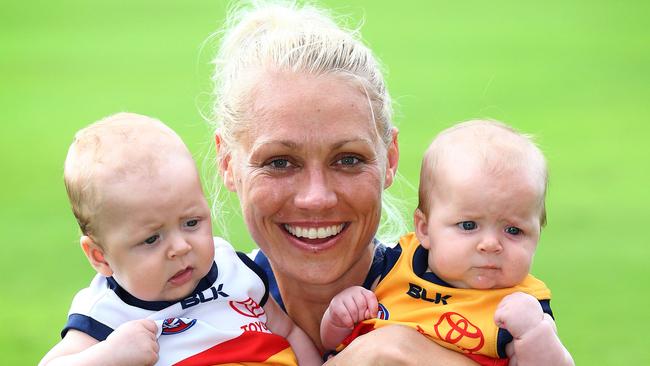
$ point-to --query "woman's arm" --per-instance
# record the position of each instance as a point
(397, 345)
(279, 323)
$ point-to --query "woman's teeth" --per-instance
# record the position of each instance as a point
(313, 232)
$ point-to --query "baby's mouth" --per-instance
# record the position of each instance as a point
(182, 276)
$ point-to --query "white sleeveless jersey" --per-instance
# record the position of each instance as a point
(221, 322)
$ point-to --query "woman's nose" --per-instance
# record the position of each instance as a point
(315, 191)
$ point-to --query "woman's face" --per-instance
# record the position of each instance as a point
(309, 175)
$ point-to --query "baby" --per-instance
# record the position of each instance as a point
(166, 291)
(463, 278)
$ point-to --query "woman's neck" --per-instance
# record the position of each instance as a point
(306, 302)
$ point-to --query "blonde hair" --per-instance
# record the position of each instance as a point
(500, 147)
(118, 145)
(283, 36)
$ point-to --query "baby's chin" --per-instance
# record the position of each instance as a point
(483, 282)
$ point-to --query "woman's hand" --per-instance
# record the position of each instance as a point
(397, 345)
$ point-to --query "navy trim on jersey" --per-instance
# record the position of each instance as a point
(381, 263)
(421, 267)
(260, 273)
(503, 338)
(375, 271)
(205, 283)
(546, 307)
(88, 325)
(263, 263)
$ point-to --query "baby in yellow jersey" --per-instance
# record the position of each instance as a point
(462, 279)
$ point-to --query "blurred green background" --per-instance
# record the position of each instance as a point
(573, 73)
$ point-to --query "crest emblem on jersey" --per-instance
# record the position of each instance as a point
(456, 329)
(383, 313)
(176, 325)
(248, 308)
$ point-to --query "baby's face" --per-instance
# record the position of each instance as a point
(482, 229)
(156, 232)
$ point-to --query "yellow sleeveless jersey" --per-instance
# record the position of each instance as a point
(459, 319)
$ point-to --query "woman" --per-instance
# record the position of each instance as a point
(305, 139)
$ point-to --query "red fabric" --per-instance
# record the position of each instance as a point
(359, 330)
(248, 347)
(487, 361)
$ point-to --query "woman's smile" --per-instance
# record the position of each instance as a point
(311, 175)
(314, 237)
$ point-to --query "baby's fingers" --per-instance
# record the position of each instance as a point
(341, 316)
(373, 304)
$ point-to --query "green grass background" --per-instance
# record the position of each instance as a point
(574, 73)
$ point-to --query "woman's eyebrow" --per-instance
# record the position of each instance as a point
(340, 144)
(284, 143)
(295, 145)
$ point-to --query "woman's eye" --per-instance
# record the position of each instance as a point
(152, 239)
(513, 230)
(348, 161)
(279, 163)
(467, 225)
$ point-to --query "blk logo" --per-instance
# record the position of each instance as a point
(418, 292)
(210, 294)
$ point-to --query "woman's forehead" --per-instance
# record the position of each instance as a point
(304, 108)
(295, 94)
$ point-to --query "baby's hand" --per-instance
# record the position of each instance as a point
(518, 313)
(351, 306)
(134, 343)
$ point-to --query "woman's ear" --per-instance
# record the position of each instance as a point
(421, 228)
(95, 255)
(392, 159)
(224, 159)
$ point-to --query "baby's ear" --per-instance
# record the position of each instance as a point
(95, 255)
(421, 228)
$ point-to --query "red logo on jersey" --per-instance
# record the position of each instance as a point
(247, 308)
(454, 328)
(176, 325)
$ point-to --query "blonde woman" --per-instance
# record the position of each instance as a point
(305, 139)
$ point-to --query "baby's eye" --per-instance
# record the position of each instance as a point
(152, 239)
(192, 223)
(512, 230)
(467, 225)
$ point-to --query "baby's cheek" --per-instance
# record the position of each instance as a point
(441, 264)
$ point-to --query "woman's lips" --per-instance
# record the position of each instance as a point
(182, 277)
(314, 238)
(314, 232)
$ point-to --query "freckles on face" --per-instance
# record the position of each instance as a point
(310, 177)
